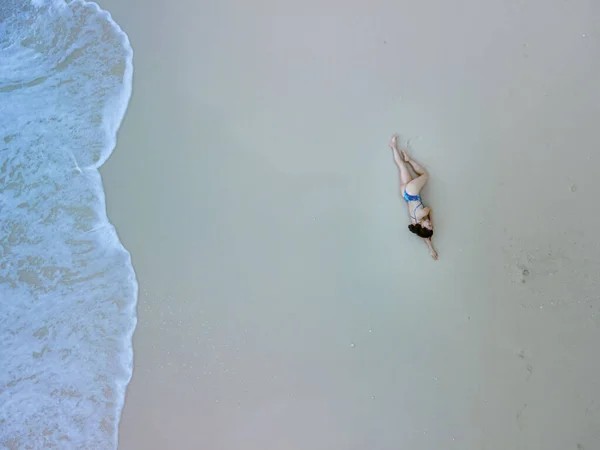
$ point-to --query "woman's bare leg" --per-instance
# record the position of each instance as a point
(418, 168)
(415, 186)
(405, 176)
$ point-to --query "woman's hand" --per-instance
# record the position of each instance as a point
(434, 254)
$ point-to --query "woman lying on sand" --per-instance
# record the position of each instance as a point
(420, 215)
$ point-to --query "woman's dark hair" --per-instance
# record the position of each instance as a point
(420, 231)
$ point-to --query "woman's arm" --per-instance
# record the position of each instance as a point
(434, 254)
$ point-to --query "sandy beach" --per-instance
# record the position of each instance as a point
(283, 303)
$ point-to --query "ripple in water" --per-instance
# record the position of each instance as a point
(67, 286)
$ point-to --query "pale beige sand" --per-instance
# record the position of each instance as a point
(283, 303)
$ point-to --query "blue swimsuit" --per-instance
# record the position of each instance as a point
(414, 198)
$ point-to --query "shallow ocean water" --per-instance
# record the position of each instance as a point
(67, 286)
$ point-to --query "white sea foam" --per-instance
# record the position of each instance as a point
(67, 286)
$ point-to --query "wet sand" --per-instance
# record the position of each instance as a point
(283, 303)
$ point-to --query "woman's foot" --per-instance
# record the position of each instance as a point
(394, 146)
